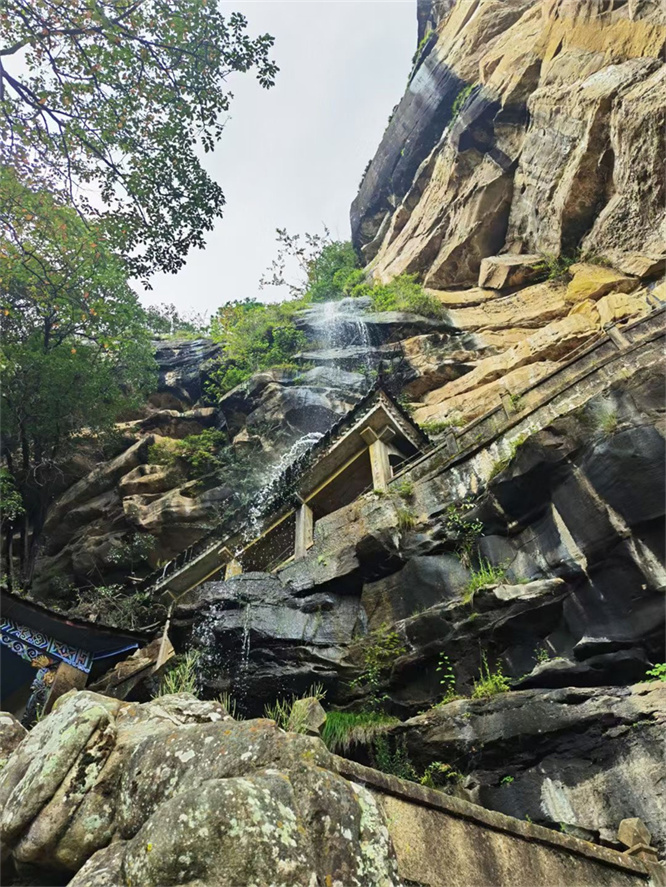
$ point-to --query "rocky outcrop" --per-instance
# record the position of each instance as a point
(579, 760)
(175, 791)
(538, 158)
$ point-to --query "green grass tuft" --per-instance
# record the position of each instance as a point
(344, 729)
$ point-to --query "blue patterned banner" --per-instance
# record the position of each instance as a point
(29, 644)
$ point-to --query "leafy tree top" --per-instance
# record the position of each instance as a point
(108, 101)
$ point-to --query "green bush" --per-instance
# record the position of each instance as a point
(344, 729)
(381, 648)
(403, 293)
(393, 760)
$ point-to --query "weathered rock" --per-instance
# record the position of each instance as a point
(593, 282)
(12, 733)
(559, 144)
(503, 272)
(572, 757)
(183, 367)
(130, 794)
(307, 716)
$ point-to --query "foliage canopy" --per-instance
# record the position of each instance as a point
(110, 99)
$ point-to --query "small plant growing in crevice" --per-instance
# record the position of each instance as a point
(485, 574)
(230, 703)
(506, 780)
(381, 649)
(553, 267)
(281, 710)
(467, 532)
(489, 683)
(657, 672)
(406, 519)
(542, 654)
(447, 679)
(460, 100)
(502, 464)
(392, 758)
(438, 774)
(606, 420)
(182, 677)
(433, 427)
(405, 489)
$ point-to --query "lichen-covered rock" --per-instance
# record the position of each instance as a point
(12, 733)
(176, 792)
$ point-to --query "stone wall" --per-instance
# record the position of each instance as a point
(442, 841)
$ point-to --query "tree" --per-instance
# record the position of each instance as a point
(328, 268)
(108, 101)
(75, 344)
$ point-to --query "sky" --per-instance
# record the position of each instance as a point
(293, 156)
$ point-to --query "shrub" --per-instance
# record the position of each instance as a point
(658, 672)
(405, 489)
(466, 532)
(552, 267)
(114, 605)
(182, 676)
(438, 774)
(381, 649)
(344, 729)
(403, 293)
(489, 683)
(393, 760)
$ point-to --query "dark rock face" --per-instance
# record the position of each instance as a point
(183, 367)
(262, 640)
(576, 759)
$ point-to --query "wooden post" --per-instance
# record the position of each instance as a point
(233, 568)
(379, 456)
(617, 338)
(304, 530)
(380, 464)
(507, 404)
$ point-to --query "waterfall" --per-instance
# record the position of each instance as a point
(343, 327)
(273, 473)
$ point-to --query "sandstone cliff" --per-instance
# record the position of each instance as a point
(521, 179)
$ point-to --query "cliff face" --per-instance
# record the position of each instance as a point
(515, 570)
(535, 126)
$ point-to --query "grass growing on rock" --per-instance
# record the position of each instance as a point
(489, 683)
(281, 710)
(344, 729)
(485, 574)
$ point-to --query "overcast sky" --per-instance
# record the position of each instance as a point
(292, 156)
